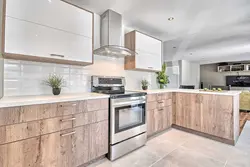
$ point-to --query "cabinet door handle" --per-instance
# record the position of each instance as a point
(67, 134)
(160, 102)
(57, 55)
(160, 109)
(67, 120)
(150, 67)
(74, 104)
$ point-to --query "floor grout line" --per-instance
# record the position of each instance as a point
(162, 157)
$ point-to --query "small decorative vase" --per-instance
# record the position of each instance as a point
(162, 86)
(56, 91)
(144, 87)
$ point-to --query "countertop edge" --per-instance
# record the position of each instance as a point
(201, 92)
(48, 101)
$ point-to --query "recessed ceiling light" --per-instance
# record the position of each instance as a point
(170, 18)
(191, 53)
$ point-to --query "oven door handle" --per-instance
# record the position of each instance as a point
(130, 103)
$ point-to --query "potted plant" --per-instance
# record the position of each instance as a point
(162, 78)
(55, 82)
(144, 84)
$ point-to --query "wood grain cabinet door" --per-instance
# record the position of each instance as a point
(42, 151)
(217, 115)
(188, 111)
(91, 142)
(150, 122)
(167, 117)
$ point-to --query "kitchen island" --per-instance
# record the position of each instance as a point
(210, 114)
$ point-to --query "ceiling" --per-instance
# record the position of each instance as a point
(203, 31)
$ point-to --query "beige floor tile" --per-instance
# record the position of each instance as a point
(239, 159)
(213, 149)
(187, 158)
(175, 136)
(161, 148)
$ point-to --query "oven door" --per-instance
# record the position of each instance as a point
(128, 116)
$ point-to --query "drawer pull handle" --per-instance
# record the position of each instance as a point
(160, 102)
(66, 120)
(160, 109)
(150, 67)
(73, 104)
(57, 55)
(67, 134)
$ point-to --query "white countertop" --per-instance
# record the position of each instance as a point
(229, 93)
(43, 99)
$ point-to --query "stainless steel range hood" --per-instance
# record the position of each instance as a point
(111, 36)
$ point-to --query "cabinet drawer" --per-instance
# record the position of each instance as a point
(52, 14)
(67, 108)
(12, 133)
(97, 104)
(15, 115)
(90, 117)
(16, 132)
(151, 97)
(31, 39)
(164, 103)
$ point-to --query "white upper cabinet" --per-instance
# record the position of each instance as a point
(52, 13)
(148, 49)
(49, 29)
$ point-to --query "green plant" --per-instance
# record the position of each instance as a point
(162, 78)
(144, 83)
(54, 81)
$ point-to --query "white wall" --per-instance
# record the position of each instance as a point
(210, 76)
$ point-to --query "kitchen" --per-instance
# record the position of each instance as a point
(78, 127)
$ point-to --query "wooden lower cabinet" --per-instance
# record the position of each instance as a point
(217, 116)
(159, 112)
(69, 148)
(206, 113)
(188, 111)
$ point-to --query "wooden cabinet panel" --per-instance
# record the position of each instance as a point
(167, 117)
(207, 113)
(14, 115)
(217, 115)
(10, 115)
(98, 104)
(159, 112)
(188, 110)
(151, 97)
(67, 108)
(98, 145)
(42, 151)
(150, 122)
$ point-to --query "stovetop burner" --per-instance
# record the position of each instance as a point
(114, 86)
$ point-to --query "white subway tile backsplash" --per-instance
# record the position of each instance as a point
(26, 78)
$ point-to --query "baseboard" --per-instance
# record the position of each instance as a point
(219, 139)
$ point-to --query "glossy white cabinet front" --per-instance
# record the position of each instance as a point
(48, 28)
(52, 13)
(26, 38)
(149, 52)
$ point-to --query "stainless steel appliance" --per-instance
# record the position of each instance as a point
(111, 36)
(127, 115)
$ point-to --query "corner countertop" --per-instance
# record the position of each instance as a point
(228, 93)
(45, 99)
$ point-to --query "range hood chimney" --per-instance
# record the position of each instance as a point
(111, 36)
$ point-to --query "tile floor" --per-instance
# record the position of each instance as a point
(175, 148)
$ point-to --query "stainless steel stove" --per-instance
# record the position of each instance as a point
(127, 115)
